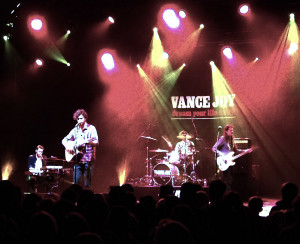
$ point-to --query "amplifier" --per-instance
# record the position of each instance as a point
(243, 143)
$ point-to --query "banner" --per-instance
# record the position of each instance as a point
(203, 107)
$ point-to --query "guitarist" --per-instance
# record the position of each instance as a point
(224, 146)
(81, 142)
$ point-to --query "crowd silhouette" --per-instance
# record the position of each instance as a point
(80, 216)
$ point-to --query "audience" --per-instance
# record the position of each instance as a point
(82, 216)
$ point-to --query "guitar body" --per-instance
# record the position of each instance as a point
(225, 161)
(70, 154)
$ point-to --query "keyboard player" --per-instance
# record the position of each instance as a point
(36, 163)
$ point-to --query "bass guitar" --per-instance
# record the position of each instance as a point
(224, 161)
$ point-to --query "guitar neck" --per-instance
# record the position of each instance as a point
(241, 154)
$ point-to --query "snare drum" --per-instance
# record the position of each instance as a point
(163, 173)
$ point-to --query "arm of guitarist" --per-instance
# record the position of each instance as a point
(218, 146)
(69, 146)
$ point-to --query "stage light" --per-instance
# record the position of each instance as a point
(256, 59)
(293, 48)
(184, 65)
(202, 26)
(171, 18)
(156, 36)
(138, 66)
(165, 55)
(5, 38)
(36, 24)
(227, 52)
(7, 170)
(212, 63)
(182, 14)
(39, 62)
(111, 19)
(108, 61)
(244, 9)
(68, 32)
(292, 17)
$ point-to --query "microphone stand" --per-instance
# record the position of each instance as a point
(218, 134)
(76, 158)
(193, 173)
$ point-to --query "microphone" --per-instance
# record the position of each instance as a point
(220, 127)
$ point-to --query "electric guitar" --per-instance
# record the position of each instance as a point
(224, 161)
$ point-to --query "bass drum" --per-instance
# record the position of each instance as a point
(163, 173)
(174, 157)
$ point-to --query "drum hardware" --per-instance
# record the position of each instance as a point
(158, 150)
(148, 177)
(148, 138)
(185, 137)
(164, 173)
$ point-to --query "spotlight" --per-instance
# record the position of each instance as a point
(138, 66)
(182, 14)
(39, 62)
(5, 38)
(201, 26)
(111, 19)
(165, 55)
(212, 63)
(293, 48)
(68, 32)
(171, 19)
(292, 17)
(227, 52)
(244, 9)
(36, 24)
(108, 61)
(68, 64)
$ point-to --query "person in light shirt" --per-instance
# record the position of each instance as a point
(35, 164)
(81, 144)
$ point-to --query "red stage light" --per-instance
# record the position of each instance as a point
(37, 26)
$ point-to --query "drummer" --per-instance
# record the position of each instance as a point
(185, 147)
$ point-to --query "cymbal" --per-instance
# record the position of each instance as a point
(185, 137)
(158, 150)
(149, 138)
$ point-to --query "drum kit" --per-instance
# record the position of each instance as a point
(172, 167)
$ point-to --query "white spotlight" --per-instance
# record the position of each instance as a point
(227, 52)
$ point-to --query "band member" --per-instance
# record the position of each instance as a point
(185, 147)
(225, 146)
(80, 145)
(35, 164)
